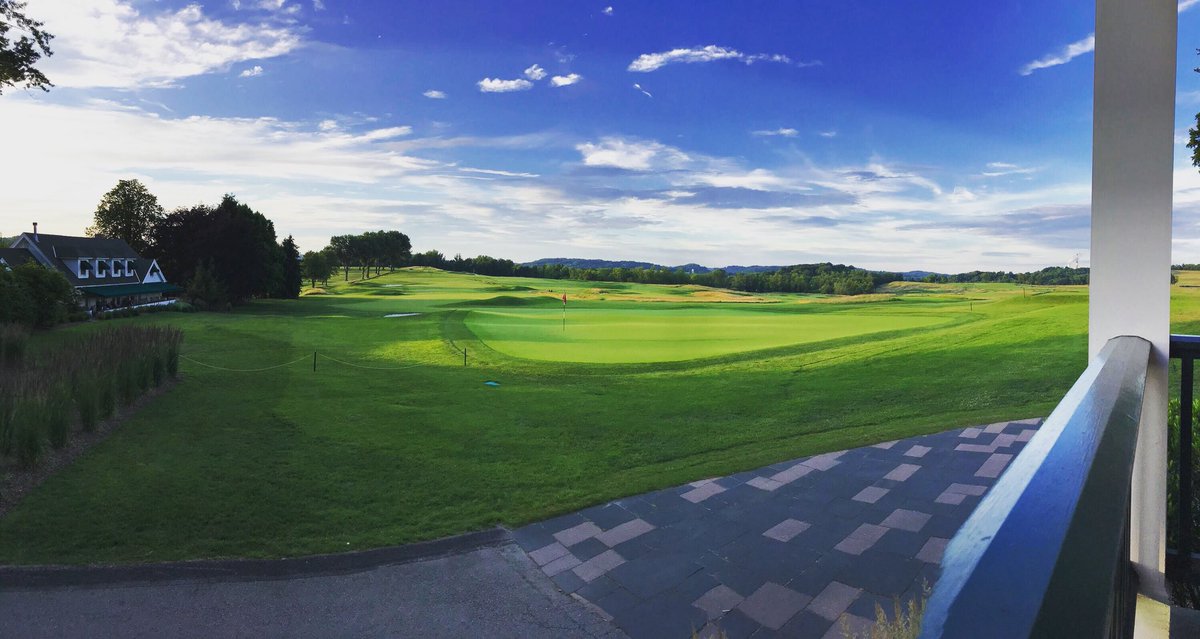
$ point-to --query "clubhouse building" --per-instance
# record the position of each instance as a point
(107, 273)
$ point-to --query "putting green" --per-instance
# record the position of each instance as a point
(634, 335)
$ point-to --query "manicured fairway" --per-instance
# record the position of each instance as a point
(638, 334)
(393, 440)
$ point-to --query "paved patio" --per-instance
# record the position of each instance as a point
(792, 550)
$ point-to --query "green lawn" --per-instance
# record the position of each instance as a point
(649, 386)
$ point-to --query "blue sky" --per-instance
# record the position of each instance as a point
(899, 135)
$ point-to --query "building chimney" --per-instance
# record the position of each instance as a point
(35, 235)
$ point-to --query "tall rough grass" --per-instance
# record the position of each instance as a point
(43, 395)
(14, 339)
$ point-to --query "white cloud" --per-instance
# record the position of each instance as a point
(565, 80)
(318, 5)
(1062, 56)
(434, 94)
(109, 43)
(1184, 5)
(828, 134)
(653, 61)
(1000, 169)
(498, 172)
(328, 125)
(251, 72)
(496, 85)
(631, 154)
(387, 133)
(781, 132)
(644, 92)
(608, 11)
(535, 72)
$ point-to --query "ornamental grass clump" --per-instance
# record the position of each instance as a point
(14, 339)
(80, 382)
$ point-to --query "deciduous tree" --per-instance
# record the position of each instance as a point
(22, 43)
(128, 212)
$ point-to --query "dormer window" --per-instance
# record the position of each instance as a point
(128, 268)
(84, 269)
(101, 268)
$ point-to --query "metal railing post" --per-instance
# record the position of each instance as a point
(1187, 366)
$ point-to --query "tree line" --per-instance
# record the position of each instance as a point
(226, 254)
(1049, 276)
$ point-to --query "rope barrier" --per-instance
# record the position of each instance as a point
(372, 368)
(243, 370)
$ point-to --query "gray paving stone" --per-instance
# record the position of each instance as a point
(994, 465)
(902, 472)
(870, 494)
(703, 482)
(1026, 435)
(917, 451)
(700, 493)
(787, 529)
(559, 565)
(625, 532)
(823, 462)
(970, 433)
(1031, 421)
(547, 554)
(576, 534)
(950, 498)
(1003, 441)
(833, 600)
(861, 539)
(998, 427)
(773, 605)
(718, 601)
(764, 483)
(931, 552)
(598, 565)
(974, 448)
(792, 474)
(884, 445)
(903, 519)
(967, 489)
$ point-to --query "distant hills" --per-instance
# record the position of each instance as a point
(575, 262)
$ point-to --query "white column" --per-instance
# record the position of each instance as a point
(1132, 138)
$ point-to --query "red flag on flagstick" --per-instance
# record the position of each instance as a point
(564, 299)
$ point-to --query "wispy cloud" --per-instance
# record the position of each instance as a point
(608, 11)
(251, 72)
(434, 94)
(653, 61)
(318, 5)
(110, 43)
(496, 85)
(1000, 169)
(1062, 56)
(781, 132)
(828, 134)
(535, 73)
(644, 92)
(565, 80)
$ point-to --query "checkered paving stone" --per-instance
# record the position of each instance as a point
(788, 550)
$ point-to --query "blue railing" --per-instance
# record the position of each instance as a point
(1046, 553)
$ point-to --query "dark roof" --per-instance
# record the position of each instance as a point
(15, 257)
(123, 290)
(69, 247)
(60, 248)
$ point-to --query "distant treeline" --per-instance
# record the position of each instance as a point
(1051, 275)
(1186, 267)
(834, 279)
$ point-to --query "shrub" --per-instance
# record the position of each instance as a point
(14, 339)
(904, 624)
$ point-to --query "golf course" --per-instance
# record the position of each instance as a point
(423, 403)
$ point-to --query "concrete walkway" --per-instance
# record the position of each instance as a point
(795, 549)
(485, 592)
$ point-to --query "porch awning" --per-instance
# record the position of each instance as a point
(129, 290)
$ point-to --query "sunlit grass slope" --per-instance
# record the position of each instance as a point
(392, 440)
